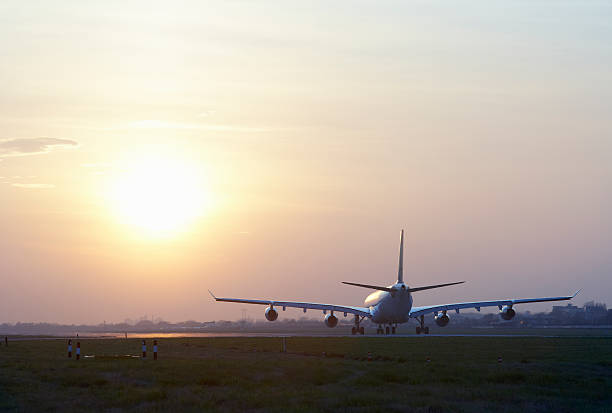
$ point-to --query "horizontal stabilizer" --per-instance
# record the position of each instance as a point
(390, 289)
(429, 287)
(374, 287)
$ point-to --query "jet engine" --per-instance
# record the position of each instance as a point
(507, 313)
(271, 314)
(442, 320)
(331, 320)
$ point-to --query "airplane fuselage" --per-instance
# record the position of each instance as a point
(390, 307)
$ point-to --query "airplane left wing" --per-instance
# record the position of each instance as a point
(361, 311)
(417, 311)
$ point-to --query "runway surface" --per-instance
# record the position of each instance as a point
(287, 334)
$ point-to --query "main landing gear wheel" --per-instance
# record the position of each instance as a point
(387, 330)
(356, 328)
(422, 329)
(392, 330)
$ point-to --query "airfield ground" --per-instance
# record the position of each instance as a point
(564, 374)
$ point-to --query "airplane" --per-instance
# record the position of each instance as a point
(392, 305)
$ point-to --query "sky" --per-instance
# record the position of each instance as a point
(150, 151)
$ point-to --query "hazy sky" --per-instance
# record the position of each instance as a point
(150, 151)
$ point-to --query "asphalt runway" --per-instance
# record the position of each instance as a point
(101, 336)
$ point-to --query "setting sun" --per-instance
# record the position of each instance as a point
(160, 197)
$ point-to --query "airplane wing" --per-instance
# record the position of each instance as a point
(361, 311)
(417, 311)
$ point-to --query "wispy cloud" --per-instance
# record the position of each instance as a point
(206, 113)
(98, 168)
(231, 128)
(33, 146)
(96, 165)
(33, 186)
(159, 124)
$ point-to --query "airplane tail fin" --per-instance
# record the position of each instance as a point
(400, 269)
(400, 276)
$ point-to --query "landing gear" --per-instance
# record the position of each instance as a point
(388, 329)
(422, 329)
(357, 329)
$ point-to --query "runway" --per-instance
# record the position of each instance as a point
(160, 335)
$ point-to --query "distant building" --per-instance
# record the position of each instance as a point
(595, 311)
(596, 308)
(590, 313)
(565, 310)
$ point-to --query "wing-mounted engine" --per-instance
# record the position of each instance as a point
(442, 319)
(507, 313)
(331, 320)
(271, 314)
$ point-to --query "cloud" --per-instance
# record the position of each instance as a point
(33, 186)
(98, 168)
(231, 128)
(97, 165)
(206, 113)
(159, 124)
(33, 146)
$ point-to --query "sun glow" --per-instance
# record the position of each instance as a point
(160, 197)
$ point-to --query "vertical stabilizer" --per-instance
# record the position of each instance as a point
(400, 269)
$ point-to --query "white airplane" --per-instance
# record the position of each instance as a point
(392, 305)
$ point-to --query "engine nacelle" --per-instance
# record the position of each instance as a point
(442, 320)
(507, 313)
(271, 314)
(331, 320)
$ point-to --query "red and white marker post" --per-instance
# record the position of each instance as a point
(69, 348)
(154, 349)
(78, 350)
(144, 349)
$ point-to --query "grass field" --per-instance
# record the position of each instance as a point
(251, 374)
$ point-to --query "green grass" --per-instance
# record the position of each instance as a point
(250, 374)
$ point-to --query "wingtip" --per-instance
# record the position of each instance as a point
(576, 293)
(212, 295)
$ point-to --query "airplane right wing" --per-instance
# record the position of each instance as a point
(417, 311)
(360, 311)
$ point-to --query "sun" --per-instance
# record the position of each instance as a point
(160, 197)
